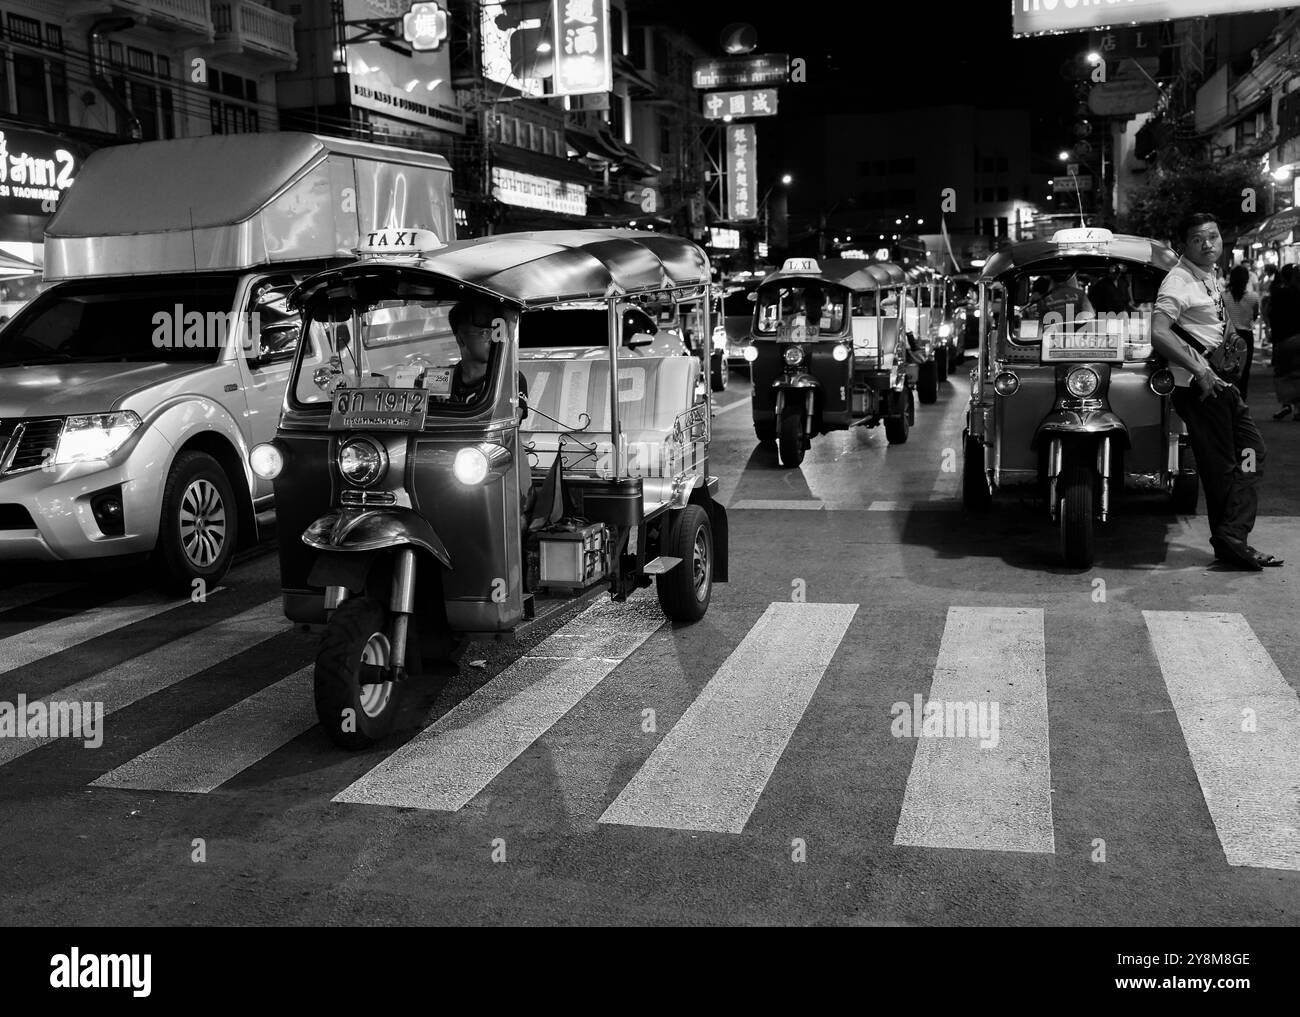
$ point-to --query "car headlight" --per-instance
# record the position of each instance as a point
(751, 353)
(1082, 382)
(360, 461)
(470, 466)
(94, 436)
(1006, 383)
(794, 355)
(840, 352)
(266, 460)
(945, 330)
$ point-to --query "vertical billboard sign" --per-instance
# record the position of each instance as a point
(742, 171)
(582, 47)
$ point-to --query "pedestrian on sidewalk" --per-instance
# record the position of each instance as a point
(1242, 305)
(1205, 354)
(1284, 312)
(1265, 289)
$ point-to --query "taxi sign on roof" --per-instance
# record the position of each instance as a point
(399, 242)
(802, 265)
(1086, 235)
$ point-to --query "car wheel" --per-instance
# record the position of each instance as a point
(684, 592)
(353, 713)
(199, 526)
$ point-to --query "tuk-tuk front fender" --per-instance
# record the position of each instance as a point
(375, 530)
(803, 380)
(1066, 422)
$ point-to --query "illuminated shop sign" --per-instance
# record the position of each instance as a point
(763, 69)
(724, 239)
(527, 41)
(761, 102)
(35, 171)
(582, 49)
(528, 191)
(742, 172)
(1037, 17)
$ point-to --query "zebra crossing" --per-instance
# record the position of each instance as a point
(987, 789)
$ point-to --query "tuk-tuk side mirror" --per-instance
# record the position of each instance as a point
(638, 328)
(752, 296)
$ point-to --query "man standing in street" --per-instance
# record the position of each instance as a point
(1205, 355)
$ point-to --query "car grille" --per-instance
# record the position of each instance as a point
(26, 441)
(16, 517)
(353, 497)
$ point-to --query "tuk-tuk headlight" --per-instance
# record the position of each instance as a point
(1082, 382)
(1162, 382)
(1006, 383)
(794, 355)
(470, 466)
(751, 353)
(266, 460)
(840, 352)
(361, 461)
(945, 330)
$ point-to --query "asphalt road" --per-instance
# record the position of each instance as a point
(1134, 759)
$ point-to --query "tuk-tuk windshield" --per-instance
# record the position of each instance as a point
(799, 309)
(450, 348)
(1113, 297)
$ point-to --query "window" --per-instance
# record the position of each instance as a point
(1004, 194)
(660, 54)
(1002, 226)
(24, 30)
(230, 107)
(29, 87)
(139, 60)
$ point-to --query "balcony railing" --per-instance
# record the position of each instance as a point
(190, 16)
(247, 26)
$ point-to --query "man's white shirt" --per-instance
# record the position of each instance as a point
(1193, 298)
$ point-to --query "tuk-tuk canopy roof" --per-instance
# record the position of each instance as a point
(553, 266)
(1121, 247)
(853, 273)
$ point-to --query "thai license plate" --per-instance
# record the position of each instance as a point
(1091, 344)
(379, 409)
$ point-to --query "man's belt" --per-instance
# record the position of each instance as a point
(1226, 359)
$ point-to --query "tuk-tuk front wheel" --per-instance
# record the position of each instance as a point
(975, 493)
(685, 590)
(1075, 510)
(899, 426)
(927, 382)
(720, 372)
(355, 715)
(790, 437)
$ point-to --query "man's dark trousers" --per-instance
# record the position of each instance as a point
(1221, 430)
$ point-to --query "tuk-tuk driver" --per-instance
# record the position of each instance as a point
(477, 322)
(1068, 299)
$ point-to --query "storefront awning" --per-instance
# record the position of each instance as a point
(1279, 226)
(604, 146)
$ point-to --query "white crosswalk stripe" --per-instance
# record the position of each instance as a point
(1241, 722)
(462, 752)
(134, 679)
(990, 793)
(210, 753)
(711, 768)
(54, 637)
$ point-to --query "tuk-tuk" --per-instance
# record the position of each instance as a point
(435, 486)
(921, 322)
(829, 352)
(1069, 394)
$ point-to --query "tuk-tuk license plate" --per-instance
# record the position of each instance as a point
(379, 409)
(1070, 347)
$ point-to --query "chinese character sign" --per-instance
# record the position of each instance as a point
(756, 103)
(582, 47)
(742, 171)
(424, 26)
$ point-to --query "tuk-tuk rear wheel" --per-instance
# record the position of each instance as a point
(975, 493)
(355, 715)
(684, 591)
(927, 382)
(1075, 509)
(790, 439)
(897, 427)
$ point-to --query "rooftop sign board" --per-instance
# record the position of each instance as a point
(745, 71)
(1041, 17)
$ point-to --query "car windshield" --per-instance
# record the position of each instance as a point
(184, 318)
(800, 309)
(376, 332)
